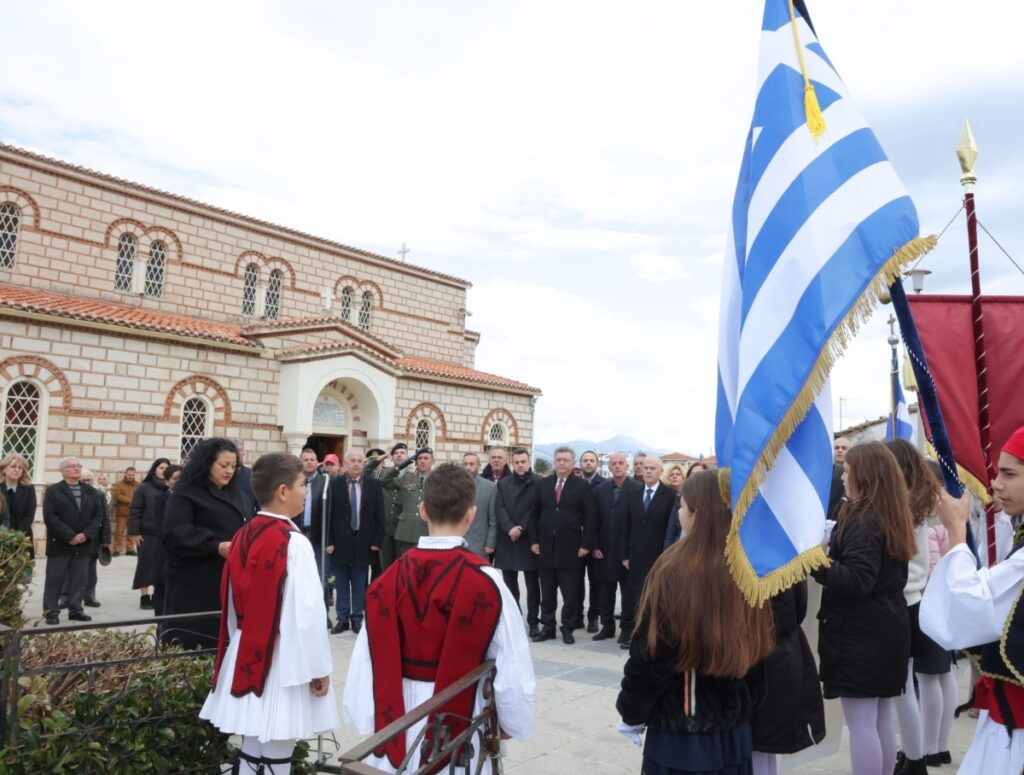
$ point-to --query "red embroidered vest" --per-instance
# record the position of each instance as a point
(430, 617)
(254, 574)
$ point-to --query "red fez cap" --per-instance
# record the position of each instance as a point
(1015, 444)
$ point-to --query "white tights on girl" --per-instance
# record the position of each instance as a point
(872, 736)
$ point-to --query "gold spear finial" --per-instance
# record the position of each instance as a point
(967, 153)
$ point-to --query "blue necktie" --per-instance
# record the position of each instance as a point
(647, 498)
(353, 506)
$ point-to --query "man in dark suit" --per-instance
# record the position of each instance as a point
(650, 508)
(73, 517)
(562, 532)
(613, 499)
(355, 530)
(514, 507)
(589, 474)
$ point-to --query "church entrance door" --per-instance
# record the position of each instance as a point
(326, 445)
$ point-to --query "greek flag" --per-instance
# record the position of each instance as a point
(900, 425)
(821, 224)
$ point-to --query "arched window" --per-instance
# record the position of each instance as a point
(273, 304)
(252, 276)
(10, 220)
(498, 435)
(21, 422)
(424, 434)
(155, 270)
(195, 426)
(125, 263)
(365, 309)
(346, 303)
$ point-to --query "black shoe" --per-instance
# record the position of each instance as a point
(624, 638)
(93, 602)
(567, 638)
(605, 634)
(534, 630)
(914, 767)
(79, 617)
(131, 554)
(592, 625)
(62, 603)
(624, 645)
(146, 601)
(52, 618)
(937, 760)
(116, 554)
(339, 628)
(330, 624)
(356, 627)
(542, 636)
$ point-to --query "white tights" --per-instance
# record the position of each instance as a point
(765, 763)
(938, 701)
(271, 758)
(872, 736)
(909, 714)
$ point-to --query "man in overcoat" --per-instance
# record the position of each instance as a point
(514, 507)
(612, 498)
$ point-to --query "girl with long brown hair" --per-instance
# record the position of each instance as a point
(691, 678)
(864, 631)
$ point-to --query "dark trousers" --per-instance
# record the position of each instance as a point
(350, 589)
(630, 597)
(401, 547)
(592, 601)
(606, 601)
(75, 569)
(158, 599)
(387, 552)
(553, 581)
(90, 585)
(532, 593)
(375, 569)
(317, 554)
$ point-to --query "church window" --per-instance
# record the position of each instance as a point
(10, 219)
(424, 434)
(155, 270)
(273, 305)
(365, 310)
(21, 422)
(252, 276)
(195, 426)
(346, 303)
(498, 435)
(125, 263)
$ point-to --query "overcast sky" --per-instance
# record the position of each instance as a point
(574, 160)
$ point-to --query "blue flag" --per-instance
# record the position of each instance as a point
(900, 425)
(821, 224)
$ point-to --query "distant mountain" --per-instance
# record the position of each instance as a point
(620, 443)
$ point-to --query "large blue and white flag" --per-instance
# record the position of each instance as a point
(900, 425)
(821, 224)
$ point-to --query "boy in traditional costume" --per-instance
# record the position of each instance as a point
(438, 612)
(964, 606)
(272, 682)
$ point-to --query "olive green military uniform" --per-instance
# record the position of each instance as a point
(408, 487)
(393, 506)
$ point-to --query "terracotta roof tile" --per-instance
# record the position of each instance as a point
(393, 262)
(99, 311)
(462, 373)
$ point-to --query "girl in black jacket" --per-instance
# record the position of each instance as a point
(864, 631)
(144, 529)
(691, 679)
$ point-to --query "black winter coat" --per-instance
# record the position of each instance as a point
(487, 474)
(142, 514)
(513, 506)
(563, 528)
(645, 531)
(612, 518)
(792, 716)
(351, 548)
(64, 519)
(196, 519)
(864, 631)
(654, 694)
(22, 507)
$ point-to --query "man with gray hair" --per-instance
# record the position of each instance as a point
(482, 536)
(73, 517)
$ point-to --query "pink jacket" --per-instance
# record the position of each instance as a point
(938, 545)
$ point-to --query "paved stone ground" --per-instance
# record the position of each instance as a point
(575, 704)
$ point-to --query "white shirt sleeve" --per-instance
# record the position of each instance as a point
(514, 681)
(966, 606)
(303, 647)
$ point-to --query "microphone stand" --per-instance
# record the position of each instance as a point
(323, 539)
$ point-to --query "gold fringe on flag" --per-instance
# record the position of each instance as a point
(812, 110)
(757, 590)
(970, 481)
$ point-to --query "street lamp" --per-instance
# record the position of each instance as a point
(917, 278)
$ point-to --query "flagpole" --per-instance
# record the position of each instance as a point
(967, 153)
(893, 371)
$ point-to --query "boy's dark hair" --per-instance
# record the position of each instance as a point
(271, 471)
(448, 494)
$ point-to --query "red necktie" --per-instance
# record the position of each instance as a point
(558, 491)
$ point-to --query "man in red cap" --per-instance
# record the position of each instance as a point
(965, 606)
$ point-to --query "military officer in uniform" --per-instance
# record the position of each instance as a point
(408, 484)
(392, 499)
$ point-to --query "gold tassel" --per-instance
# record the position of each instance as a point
(812, 110)
(969, 480)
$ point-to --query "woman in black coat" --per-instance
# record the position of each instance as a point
(792, 716)
(864, 631)
(145, 530)
(202, 515)
(19, 494)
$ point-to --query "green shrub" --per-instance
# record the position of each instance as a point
(15, 576)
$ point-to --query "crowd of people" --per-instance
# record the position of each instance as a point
(392, 540)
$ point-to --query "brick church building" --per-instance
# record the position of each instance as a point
(134, 323)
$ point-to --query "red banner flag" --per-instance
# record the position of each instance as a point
(944, 324)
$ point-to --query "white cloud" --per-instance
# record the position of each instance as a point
(655, 268)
